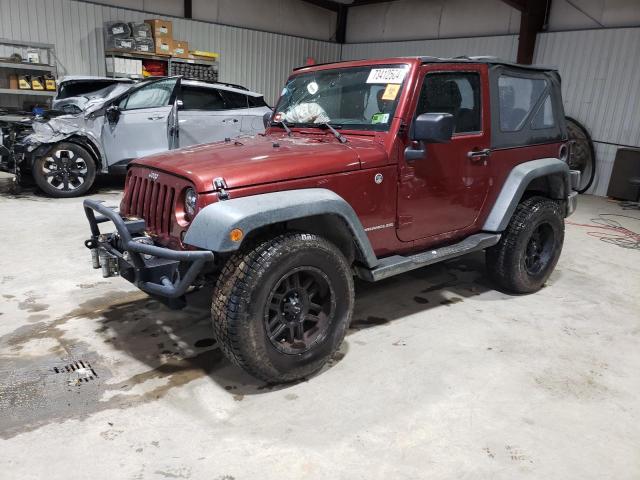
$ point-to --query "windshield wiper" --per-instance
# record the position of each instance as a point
(284, 125)
(341, 138)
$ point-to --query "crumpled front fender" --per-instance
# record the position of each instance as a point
(62, 129)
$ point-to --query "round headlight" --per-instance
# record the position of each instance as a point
(190, 200)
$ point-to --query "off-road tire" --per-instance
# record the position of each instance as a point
(244, 292)
(583, 154)
(41, 168)
(510, 263)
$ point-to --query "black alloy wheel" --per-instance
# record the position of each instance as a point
(539, 249)
(300, 309)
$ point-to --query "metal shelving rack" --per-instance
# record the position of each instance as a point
(144, 56)
(7, 68)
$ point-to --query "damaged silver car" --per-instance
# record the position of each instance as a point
(66, 152)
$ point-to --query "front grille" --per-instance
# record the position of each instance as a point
(151, 200)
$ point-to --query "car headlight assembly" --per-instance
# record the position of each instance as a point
(190, 201)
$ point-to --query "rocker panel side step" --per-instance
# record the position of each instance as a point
(397, 264)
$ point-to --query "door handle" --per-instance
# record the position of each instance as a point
(479, 154)
(155, 118)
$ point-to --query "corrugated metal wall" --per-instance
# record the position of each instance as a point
(600, 86)
(261, 61)
(503, 46)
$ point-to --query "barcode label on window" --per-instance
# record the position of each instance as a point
(386, 75)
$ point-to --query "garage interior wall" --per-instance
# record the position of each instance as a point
(289, 17)
(261, 61)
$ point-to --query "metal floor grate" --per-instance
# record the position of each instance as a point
(82, 369)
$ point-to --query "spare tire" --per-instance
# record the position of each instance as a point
(583, 155)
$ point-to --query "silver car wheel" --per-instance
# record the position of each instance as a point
(64, 170)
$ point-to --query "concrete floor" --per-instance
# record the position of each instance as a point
(440, 376)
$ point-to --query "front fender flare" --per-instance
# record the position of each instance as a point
(211, 227)
(516, 184)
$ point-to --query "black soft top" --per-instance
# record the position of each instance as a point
(489, 60)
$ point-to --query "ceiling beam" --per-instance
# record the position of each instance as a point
(326, 4)
(341, 24)
(533, 19)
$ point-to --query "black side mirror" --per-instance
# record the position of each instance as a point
(113, 114)
(266, 119)
(433, 128)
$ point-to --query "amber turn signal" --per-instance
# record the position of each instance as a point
(236, 235)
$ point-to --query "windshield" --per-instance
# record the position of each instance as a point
(361, 98)
(110, 91)
(75, 88)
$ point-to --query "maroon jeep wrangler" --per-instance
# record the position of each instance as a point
(367, 168)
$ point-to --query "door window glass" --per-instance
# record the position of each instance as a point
(544, 117)
(200, 98)
(454, 93)
(256, 101)
(518, 97)
(234, 99)
(156, 94)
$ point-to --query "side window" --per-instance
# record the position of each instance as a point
(454, 93)
(156, 94)
(234, 100)
(199, 98)
(256, 101)
(544, 117)
(518, 96)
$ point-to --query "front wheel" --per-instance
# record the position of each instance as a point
(66, 170)
(530, 246)
(280, 310)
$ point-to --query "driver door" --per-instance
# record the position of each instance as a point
(444, 190)
(145, 124)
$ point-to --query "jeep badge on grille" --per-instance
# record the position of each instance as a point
(153, 176)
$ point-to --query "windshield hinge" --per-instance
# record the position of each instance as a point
(220, 186)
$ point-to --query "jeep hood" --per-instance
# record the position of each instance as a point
(264, 159)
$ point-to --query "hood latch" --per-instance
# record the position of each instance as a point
(220, 186)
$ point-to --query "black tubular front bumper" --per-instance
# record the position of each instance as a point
(156, 270)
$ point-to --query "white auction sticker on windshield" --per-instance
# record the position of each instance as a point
(386, 75)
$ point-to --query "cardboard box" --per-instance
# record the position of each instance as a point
(163, 46)
(180, 49)
(161, 29)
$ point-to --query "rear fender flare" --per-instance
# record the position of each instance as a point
(516, 184)
(212, 225)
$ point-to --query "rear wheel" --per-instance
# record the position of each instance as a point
(66, 170)
(530, 246)
(281, 309)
